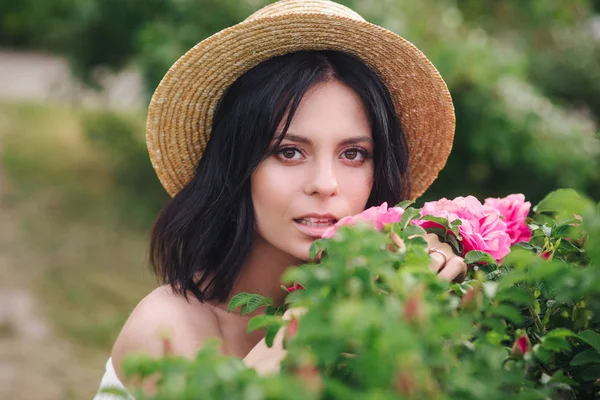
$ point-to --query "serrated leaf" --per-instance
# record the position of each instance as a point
(525, 245)
(547, 230)
(592, 338)
(262, 321)
(586, 357)
(562, 231)
(476, 256)
(411, 230)
(255, 301)
(439, 220)
(409, 214)
(238, 300)
(275, 310)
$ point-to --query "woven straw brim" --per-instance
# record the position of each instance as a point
(181, 111)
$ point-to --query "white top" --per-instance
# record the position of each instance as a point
(111, 380)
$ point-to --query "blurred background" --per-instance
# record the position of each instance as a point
(78, 194)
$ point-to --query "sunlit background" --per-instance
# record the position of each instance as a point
(78, 194)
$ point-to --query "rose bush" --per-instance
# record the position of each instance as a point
(380, 325)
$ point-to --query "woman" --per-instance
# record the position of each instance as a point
(313, 114)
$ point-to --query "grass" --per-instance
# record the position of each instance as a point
(84, 237)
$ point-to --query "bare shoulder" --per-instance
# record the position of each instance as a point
(161, 312)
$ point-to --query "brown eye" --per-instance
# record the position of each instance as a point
(288, 153)
(351, 154)
(355, 155)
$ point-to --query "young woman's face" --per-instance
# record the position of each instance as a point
(321, 172)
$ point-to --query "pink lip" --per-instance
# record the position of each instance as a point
(321, 216)
(314, 231)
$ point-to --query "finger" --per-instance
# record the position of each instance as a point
(433, 241)
(437, 262)
(295, 312)
(454, 270)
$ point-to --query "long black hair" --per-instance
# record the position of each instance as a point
(208, 226)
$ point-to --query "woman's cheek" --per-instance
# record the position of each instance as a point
(356, 186)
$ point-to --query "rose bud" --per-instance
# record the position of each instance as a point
(521, 346)
(296, 286)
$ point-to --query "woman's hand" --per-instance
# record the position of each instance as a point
(444, 262)
(266, 360)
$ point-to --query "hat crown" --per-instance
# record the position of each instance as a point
(286, 7)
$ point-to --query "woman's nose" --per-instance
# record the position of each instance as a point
(322, 181)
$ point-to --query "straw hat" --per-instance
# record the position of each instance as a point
(181, 111)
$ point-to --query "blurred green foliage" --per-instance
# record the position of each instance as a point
(524, 76)
(380, 325)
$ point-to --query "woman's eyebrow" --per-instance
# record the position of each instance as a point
(357, 139)
(304, 140)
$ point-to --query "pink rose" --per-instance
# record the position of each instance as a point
(377, 217)
(514, 209)
(482, 226)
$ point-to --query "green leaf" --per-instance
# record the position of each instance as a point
(271, 333)
(547, 230)
(589, 356)
(255, 301)
(560, 333)
(455, 244)
(409, 214)
(508, 312)
(238, 300)
(562, 231)
(439, 231)
(439, 220)
(592, 338)
(555, 343)
(525, 245)
(559, 377)
(262, 321)
(591, 373)
(566, 200)
(405, 204)
(411, 230)
(516, 294)
(275, 310)
(476, 256)
(316, 247)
